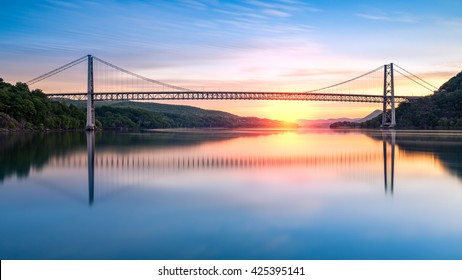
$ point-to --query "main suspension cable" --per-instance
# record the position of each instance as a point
(365, 74)
(142, 77)
(414, 76)
(56, 71)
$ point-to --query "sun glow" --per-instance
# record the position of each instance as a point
(292, 111)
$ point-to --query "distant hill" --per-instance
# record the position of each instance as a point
(150, 106)
(372, 115)
(325, 123)
(321, 123)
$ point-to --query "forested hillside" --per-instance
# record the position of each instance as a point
(21, 108)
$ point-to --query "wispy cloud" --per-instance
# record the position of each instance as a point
(449, 21)
(394, 17)
(250, 14)
(195, 4)
(373, 17)
(271, 5)
(63, 4)
(286, 5)
(442, 75)
(306, 72)
(276, 13)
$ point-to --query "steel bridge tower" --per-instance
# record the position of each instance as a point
(388, 113)
(90, 96)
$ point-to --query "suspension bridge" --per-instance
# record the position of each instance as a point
(106, 82)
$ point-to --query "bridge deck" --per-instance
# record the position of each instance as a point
(230, 95)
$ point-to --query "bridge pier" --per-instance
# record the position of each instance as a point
(90, 96)
(388, 113)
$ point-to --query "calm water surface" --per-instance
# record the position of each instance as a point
(228, 194)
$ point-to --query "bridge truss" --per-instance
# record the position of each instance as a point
(232, 95)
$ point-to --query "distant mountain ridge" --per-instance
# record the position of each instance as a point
(325, 123)
(372, 115)
(156, 107)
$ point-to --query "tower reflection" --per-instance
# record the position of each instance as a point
(389, 138)
(91, 165)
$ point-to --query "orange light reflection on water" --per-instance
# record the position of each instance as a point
(281, 160)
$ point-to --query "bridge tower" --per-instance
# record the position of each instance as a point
(90, 96)
(388, 113)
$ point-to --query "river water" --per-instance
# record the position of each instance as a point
(231, 194)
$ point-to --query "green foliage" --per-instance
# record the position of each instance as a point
(169, 109)
(32, 110)
(111, 117)
(454, 84)
(344, 124)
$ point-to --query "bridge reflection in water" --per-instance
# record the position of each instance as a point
(91, 166)
(162, 163)
(389, 139)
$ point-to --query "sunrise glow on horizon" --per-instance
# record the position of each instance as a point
(280, 45)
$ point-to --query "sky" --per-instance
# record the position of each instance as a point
(279, 45)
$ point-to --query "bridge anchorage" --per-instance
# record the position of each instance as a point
(110, 85)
